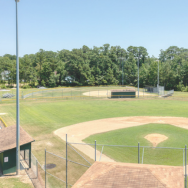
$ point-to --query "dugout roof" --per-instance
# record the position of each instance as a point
(8, 138)
(121, 175)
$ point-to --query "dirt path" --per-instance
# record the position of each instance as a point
(80, 131)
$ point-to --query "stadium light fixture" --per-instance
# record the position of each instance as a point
(17, 98)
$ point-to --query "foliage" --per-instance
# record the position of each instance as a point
(25, 86)
(3, 87)
(105, 65)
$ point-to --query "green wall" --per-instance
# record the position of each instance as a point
(123, 94)
(10, 166)
(1, 161)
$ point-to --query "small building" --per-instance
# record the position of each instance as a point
(122, 175)
(8, 148)
(5, 75)
(123, 93)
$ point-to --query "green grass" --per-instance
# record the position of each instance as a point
(41, 117)
(13, 183)
(177, 137)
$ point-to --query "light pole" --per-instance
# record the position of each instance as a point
(17, 98)
(158, 78)
(138, 70)
(122, 58)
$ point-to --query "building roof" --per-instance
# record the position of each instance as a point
(123, 90)
(121, 175)
(8, 138)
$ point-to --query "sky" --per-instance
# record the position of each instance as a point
(68, 24)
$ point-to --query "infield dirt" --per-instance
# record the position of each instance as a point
(78, 132)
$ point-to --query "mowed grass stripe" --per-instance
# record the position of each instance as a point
(46, 116)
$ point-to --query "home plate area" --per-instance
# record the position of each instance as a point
(121, 175)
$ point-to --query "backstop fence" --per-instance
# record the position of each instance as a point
(65, 171)
(160, 90)
(102, 92)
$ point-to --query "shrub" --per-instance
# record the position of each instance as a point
(32, 84)
(3, 87)
(43, 83)
(26, 87)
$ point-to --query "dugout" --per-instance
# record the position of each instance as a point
(123, 93)
(8, 148)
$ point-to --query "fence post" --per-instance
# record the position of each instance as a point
(183, 158)
(37, 168)
(95, 150)
(66, 164)
(185, 166)
(138, 152)
(143, 156)
(45, 168)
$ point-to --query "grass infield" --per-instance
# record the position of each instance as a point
(177, 138)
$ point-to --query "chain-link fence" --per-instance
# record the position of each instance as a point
(70, 93)
(77, 93)
(137, 154)
(33, 168)
(160, 90)
(64, 171)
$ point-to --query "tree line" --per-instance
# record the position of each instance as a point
(105, 65)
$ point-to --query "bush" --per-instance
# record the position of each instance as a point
(185, 89)
(43, 83)
(32, 84)
(10, 86)
(26, 87)
(3, 87)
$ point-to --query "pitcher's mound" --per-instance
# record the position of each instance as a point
(155, 139)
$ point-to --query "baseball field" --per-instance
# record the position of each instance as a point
(44, 120)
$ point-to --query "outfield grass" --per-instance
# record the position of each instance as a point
(177, 138)
(41, 118)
